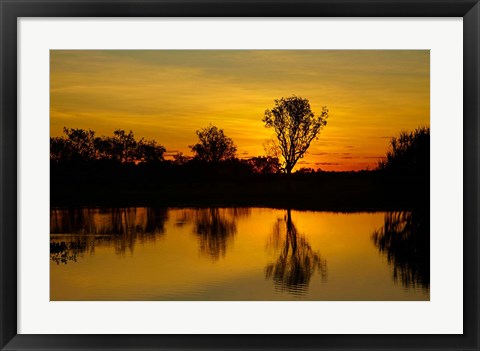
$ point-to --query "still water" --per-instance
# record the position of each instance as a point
(237, 254)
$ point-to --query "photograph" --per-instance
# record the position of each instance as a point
(239, 175)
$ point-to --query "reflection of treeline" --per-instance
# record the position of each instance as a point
(215, 228)
(76, 231)
(108, 220)
(405, 240)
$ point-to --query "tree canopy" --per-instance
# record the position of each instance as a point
(409, 152)
(213, 145)
(295, 126)
(83, 145)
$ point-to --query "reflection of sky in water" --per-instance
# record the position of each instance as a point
(233, 254)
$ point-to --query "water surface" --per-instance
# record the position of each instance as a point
(237, 254)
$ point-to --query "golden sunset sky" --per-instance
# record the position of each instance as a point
(167, 95)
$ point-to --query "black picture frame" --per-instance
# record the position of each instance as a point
(11, 10)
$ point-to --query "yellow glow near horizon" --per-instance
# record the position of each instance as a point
(167, 95)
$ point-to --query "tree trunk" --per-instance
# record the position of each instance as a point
(289, 182)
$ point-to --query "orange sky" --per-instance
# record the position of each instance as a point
(167, 95)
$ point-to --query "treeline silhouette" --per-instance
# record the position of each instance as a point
(79, 145)
(406, 167)
(83, 147)
(120, 170)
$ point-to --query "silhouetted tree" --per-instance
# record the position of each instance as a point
(83, 145)
(295, 126)
(408, 152)
(264, 165)
(79, 144)
(124, 146)
(271, 148)
(405, 171)
(59, 150)
(213, 145)
(149, 151)
(104, 147)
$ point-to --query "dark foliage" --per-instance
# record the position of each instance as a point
(264, 165)
(406, 168)
(123, 171)
(82, 145)
(409, 153)
(213, 145)
(295, 126)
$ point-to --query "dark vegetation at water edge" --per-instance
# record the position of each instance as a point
(400, 182)
(120, 170)
(231, 185)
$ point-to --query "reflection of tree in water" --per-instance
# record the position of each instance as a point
(215, 228)
(297, 261)
(405, 239)
(82, 229)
